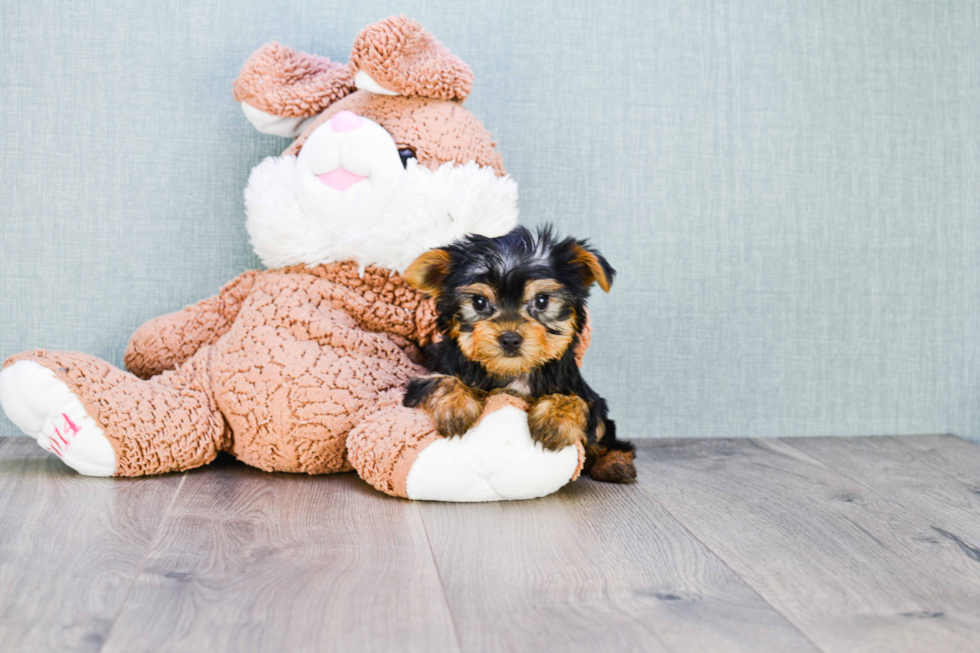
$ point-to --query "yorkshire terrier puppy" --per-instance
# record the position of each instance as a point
(511, 310)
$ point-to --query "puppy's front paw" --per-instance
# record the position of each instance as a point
(453, 406)
(558, 421)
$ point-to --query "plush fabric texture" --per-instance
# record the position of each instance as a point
(165, 342)
(309, 354)
(383, 447)
(386, 445)
(45, 408)
(307, 376)
(438, 131)
(496, 460)
(790, 190)
(279, 80)
(167, 424)
(401, 56)
(302, 368)
(389, 225)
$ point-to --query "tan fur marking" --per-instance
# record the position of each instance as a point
(539, 346)
(454, 406)
(548, 346)
(427, 272)
(558, 421)
(479, 289)
(537, 286)
(590, 261)
(454, 331)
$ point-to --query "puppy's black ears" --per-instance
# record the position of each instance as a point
(429, 271)
(594, 266)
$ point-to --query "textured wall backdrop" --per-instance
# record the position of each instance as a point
(789, 190)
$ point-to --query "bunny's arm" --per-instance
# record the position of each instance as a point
(165, 342)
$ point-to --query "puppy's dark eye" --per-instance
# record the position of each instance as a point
(480, 303)
(541, 302)
(406, 153)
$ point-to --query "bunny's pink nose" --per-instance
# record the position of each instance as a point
(345, 121)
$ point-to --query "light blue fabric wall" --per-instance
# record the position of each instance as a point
(789, 190)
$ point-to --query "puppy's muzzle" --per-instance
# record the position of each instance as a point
(510, 342)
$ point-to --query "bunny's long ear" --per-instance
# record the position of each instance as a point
(397, 56)
(280, 88)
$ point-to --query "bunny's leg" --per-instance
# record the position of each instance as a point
(102, 421)
(398, 452)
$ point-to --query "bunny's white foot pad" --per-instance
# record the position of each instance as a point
(43, 407)
(496, 460)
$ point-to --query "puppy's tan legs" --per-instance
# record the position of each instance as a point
(453, 406)
(558, 421)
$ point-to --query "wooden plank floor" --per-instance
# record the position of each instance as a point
(811, 544)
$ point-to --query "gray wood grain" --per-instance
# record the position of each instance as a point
(595, 567)
(847, 566)
(853, 544)
(951, 455)
(70, 547)
(933, 497)
(250, 561)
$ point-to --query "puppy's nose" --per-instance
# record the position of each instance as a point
(510, 340)
(345, 121)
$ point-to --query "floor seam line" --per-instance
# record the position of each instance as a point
(139, 570)
(442, 585)
(789, 621)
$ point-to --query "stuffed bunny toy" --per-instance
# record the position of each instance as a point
(302, 367)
